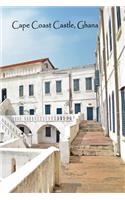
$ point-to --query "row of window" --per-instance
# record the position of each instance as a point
(109, 34)
(76, 87)
(77, 107)
(112, 111)
(21, 90)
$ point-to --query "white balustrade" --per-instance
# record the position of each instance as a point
(42, 118)
(10, 129)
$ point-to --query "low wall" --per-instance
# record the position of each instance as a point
(73, 132)
(14, 143)
(41, 174)
(74, 129)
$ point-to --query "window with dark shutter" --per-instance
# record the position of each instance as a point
(47, 87)
(47, 110)
(76, 84)
(21, 110)
(118, 17)
(77, 108)
(113, 112)
(123, 110)
(31, 90)
(58, 87)
(21, 91)
(89, 83)
(110, 35)
(110, 112)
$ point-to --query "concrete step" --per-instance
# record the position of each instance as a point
(91, 141)
(92, 150)
(89, 129)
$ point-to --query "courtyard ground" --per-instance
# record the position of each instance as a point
(93, 174)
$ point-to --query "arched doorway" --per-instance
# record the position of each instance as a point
(48, 134)
(24, 129)
(13, 165)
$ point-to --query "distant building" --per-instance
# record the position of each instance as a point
(38, 88)
(110, 75)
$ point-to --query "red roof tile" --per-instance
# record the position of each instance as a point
(26, 63)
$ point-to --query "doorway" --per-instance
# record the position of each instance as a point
(89, 113)
(57, 136)
(4, 94)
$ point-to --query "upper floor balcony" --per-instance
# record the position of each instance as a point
(43, 118)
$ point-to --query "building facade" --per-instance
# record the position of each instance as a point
(110, 73)
(38, 88)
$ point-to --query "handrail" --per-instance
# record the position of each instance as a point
(11, 127)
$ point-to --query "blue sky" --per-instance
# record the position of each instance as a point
(64, 47)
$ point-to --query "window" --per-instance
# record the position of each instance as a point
(58, 87)
(31, 90)
(77, 108)
(89, 83)
(47, 110)
(113, 111)
(76, 84)
(21, 91)
(48, 131)
(107, 48)
(110, 35)
(123, 110)
(47, 87)
(59, 111)
(21, 110)
(31, 111)
(118, 12)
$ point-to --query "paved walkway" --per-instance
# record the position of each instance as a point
(93, 174)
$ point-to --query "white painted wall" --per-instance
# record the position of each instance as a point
(120, 42)
(21, 156)
(42, 135)
(39, 99)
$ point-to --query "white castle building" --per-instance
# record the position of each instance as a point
(110, 75)
(45, 102)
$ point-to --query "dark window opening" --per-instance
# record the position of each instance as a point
(89, 83)
(47, 109)
(48, 131)
(4, 94)
(113, 112)
(76, 84)
(21, 110)
(31, 90)
(58, 87)
(59, 111)
(77, 108)
(123, 110)
(118, 17)
(47, 87)
(21, 91)
(32, 111)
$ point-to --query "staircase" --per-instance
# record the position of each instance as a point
(91, 141)
(11, 131)
(8, 129)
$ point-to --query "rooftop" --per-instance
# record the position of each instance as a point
(41, 60)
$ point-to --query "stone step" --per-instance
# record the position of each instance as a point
(92, 150)
(88, 129)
